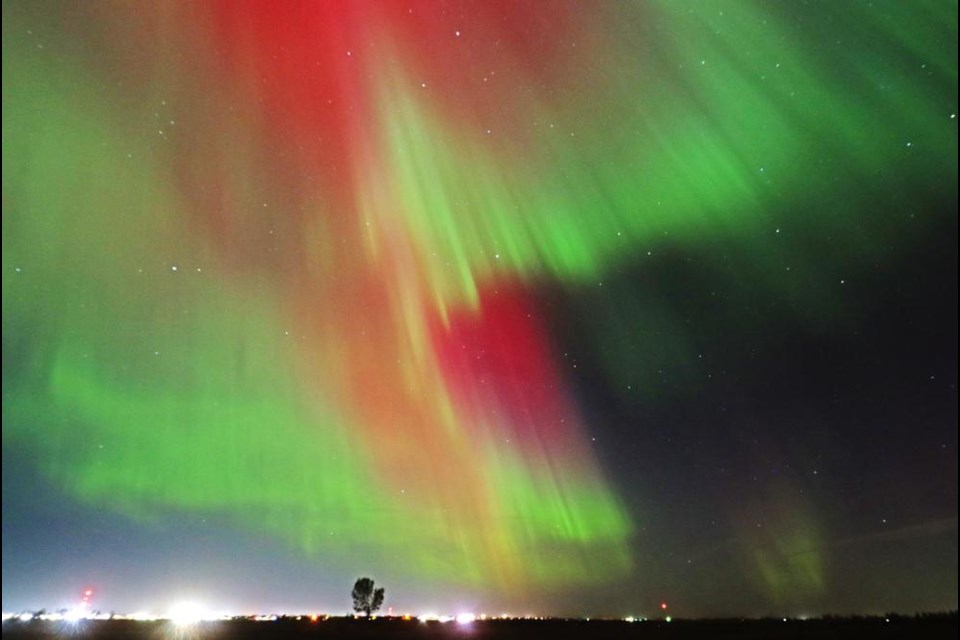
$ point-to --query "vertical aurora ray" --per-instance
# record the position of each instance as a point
(281, 265)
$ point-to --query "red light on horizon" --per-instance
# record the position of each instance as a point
(663, 606)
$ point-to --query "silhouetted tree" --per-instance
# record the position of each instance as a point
(366, 599)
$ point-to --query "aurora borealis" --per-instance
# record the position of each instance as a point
(368, 286)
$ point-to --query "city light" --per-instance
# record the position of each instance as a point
(187, 617)
(184, 614)
(75, 614)
(433, 617)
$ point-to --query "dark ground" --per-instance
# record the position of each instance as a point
(933, 626)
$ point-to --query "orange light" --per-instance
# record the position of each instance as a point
(663, 606)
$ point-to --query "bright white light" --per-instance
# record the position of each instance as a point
(26, 617)
(466, 618)
(75, 615)
(432, 617)
(185, 614)
(629, 619)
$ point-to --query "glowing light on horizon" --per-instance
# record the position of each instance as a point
(76, 614)
(184, 614)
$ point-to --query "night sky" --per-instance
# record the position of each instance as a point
(554, 308)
